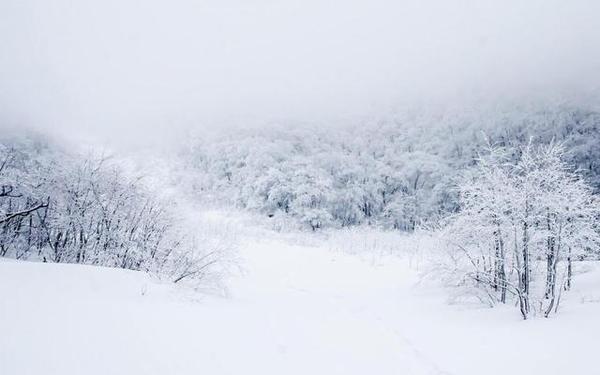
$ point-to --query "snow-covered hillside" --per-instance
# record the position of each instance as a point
(290, 187)
(295, 310)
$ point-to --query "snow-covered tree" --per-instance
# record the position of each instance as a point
(515, 216)
(64, 207)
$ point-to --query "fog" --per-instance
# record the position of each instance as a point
(139, 71)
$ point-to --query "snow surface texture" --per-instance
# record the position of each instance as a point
(297, 309)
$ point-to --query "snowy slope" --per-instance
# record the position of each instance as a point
(296, 310)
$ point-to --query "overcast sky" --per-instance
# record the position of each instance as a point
(125, 68)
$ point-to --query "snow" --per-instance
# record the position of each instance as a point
(296, 309)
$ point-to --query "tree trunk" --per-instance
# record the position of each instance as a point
(552, 291)
(569, 269)
(525, 272)
(556, 241)
(550, 258)
(500, 271)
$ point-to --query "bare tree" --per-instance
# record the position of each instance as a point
(60, 207)
(513, 216)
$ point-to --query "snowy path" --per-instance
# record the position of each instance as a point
(297, 310)
(322, 312)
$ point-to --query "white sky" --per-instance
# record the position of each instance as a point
(127, 68)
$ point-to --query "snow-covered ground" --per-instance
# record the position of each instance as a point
(296, 309)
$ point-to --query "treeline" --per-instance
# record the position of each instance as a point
(399, 172)
(57, 206)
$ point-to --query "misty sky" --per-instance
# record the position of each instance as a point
(147, 67)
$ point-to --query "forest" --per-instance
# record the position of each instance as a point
(512, 195)
(398, 172)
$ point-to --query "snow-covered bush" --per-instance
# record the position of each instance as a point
(62, 207)
(521, 226)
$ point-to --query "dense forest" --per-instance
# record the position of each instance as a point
(398, 172)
